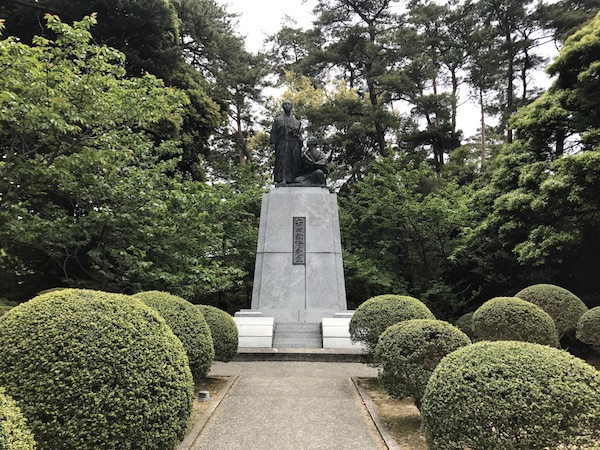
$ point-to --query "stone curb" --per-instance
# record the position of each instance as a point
(300, 354)
(387, 437)
(190, 439)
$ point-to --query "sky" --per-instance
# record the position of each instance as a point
(259, 18)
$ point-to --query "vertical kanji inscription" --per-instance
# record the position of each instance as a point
(299, 240)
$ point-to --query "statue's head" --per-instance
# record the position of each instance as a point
(286, 105)
(311, 141)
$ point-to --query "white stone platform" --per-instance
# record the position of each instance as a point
(336, 333)
(255, 332)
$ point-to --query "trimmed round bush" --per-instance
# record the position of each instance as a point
(92, 370)
(562, 305)
(14, 432)
(372, 317)
(512, 395)
(224, 332)
(188, 324)
(408, 352)
(588, 328)
(465, 324)
(513, 319)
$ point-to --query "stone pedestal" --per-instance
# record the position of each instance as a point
(299, 273)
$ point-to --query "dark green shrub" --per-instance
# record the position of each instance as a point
(408, 352)
(92, 370)
(465, 324)
(6, 306)
(372, 317)
(188, 324)
(513, 319)
(563, 306)
(14, 432)
(512, 395)
(588, 328)
(224, 332)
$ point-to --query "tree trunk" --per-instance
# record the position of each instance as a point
(483, 149)
(240, 142)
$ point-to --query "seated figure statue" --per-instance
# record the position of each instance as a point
(313, 165)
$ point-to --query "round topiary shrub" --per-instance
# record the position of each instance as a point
(588, 328)
(189, 325)
(563, 306)
(408, 352)
(224, 332)
(512, 395)
(465, 324)
(513, 319)
(14, 432)
(92, 370)
(372, 317)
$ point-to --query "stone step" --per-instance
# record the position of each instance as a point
(297, 343)
(297, 335)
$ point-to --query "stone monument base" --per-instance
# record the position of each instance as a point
(299, 255)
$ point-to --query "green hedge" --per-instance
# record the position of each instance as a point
(563, 306)
(224, 332)
(408, 352)
(189, 325)
(588, 328)
(14, 432)
(465, 324)
(512, 395)
(513, 319)
(372, 317)
(92, 370)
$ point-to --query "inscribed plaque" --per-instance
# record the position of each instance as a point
(299, 241)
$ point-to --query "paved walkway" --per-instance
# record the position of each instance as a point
(290, 405)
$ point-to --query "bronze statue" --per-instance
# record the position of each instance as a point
(313, 165)
(286, 141)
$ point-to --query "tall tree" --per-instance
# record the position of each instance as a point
(87, 196)
(399, 228)
(515, 25)
(356, 42)
(537, 218)
(145, 31)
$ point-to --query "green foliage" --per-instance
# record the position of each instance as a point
(513, 319)
(147, 32)
(224, 332)
(399, 226)
(588, 328)
(465, 324)
(372, 317)
(189, 325)
(564, 307)
(407, 353)
(14, 432)
(93, 370)
(512, 395)
(4, 309)
(90, 196)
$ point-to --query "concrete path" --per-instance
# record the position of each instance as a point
(290, 405)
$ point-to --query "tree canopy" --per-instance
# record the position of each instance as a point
(134, 145)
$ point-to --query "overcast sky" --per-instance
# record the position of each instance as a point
(259, 18)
